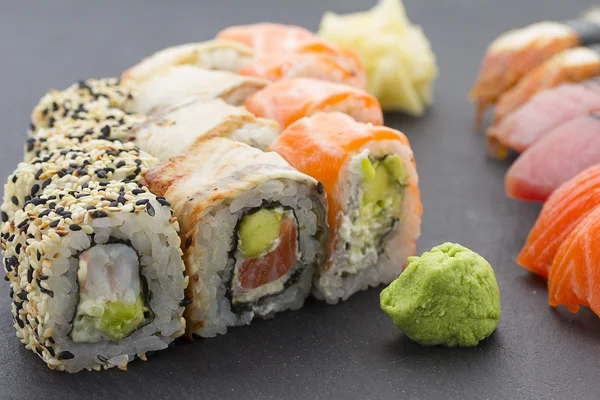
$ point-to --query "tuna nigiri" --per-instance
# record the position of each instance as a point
(573, 65)
(515, 53)
(291, 99)
(574, 278)
(554, 159)
(565, 208)
(545, 111)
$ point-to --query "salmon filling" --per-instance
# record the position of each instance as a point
(265, 256)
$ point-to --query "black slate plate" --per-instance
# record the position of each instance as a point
(351, 350)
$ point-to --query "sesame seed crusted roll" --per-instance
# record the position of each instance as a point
(69, 133)
(83, 100)
(72, 168)
(96, 275)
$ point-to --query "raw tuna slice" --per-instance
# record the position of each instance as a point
(545, 111)
(560, 155)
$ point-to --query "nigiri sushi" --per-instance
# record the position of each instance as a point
(574, 278)
(573, 65)
(291, 99)
(227, 55)
(324, 66)
(565, 208)
(178, 83)
(517, 52)
(545, 111)
(557, 157)
(370, 178)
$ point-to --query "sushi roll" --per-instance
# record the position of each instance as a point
(371, 182)
(224, 55)
(515, 53)
(253, 231)
(291, 99)
(546, 110)
(90, 99)
(277, 66)
(72, 168)
(564, 152)
(96, 275)
(181, 82)
(117, 125)
(562, 212)
(174, 131)
(573, 65)
(266, 37)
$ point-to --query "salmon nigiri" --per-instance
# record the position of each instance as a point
(267, 37)
(565, 208)
(573, 65)
(291, 99)
(574, 279)
(557, 157)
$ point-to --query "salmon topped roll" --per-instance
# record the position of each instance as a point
(179, 83)
(253, 231)
(226, 55)
(289, 100)
(370, 178)
(277, 66)
(175, 130)
(267, 37)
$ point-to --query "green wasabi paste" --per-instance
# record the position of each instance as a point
(448, 296)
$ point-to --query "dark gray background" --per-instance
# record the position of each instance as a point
(351, 350)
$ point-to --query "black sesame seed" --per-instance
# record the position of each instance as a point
(34, 189)
(11, 238)
(81, 195)
(138, 161)
(59, 210)
(163, 201)
(27, 198)
(150, 210)
(14, 178)
(54, 223)
(42, 278)
(38, 200)
(51, 351)
(121, 200)
(188, 242)
(20, 322)
(30, 144)
(52, 204)
(65, 355)
(4, 217)
(320, 188)
(54, 106)
(6, 278)
(101, 174)
(46, 183)
(23, 223)
(39, 351)
(114, 203)
(61, 173)
(121, 164)
(131, 177)
(138, 191)
(74, 227)
(22, 295)
(48, 292)
(90, 208)
(30, 275)
(66, 215)
(185, 302)
(51, 122)
(32, 126)
(45, 112)
(18, 248)
(51, 339)
(99, 214)
(105, 130)
(141, 202)
(15, 201)
(38, 255)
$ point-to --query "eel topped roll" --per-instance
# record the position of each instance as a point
(96, 275)
(224, 55)
(371, 181)
(253, 231)
(175, 130)
(178, 83)
(291, 99)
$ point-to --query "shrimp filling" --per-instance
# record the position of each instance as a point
(111, 297)
(265, 256)
(379, 197)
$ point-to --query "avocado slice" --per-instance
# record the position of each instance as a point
(259, 230)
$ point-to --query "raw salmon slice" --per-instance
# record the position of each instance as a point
(565, 208)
